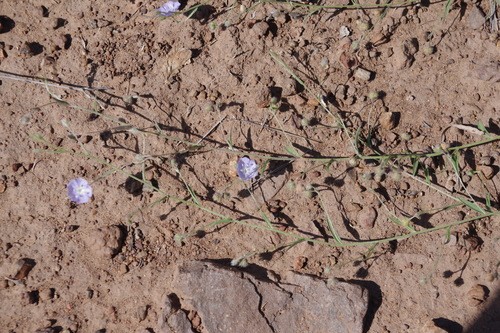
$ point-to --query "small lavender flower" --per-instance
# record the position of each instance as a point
(247, 168)
(169, 8)
(79, 191)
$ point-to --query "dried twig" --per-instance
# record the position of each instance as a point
(47, 82)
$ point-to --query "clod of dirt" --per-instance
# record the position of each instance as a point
(476, 18)
(477, 295)
(487, 171)
(388, 120)
(177, 59)
(300, 263)
(47, 294)
(260, 29)
(43, 11)
(107, 241)
(173, 319)
(142, 312)
(288, 86)
(362, 74)
(3, 54)
(367, 217)
(99, 23)
(276, 206)
(3, 186)
(404, 55)
(296, 100)
(429, 49)
(379, 38)
(489, 72)
(485, 160)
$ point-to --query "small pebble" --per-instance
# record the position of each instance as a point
(429, 49)
(300, 263)
(450, 241)
(485, 160)
(388, 120)
(366, 217)
(260, 29)
(142, 312)
(450, 184)
(3, 186)
(46, 294)
(344, 31)
(476, 18)
(487, 171)
(363, 74)
(477, 295)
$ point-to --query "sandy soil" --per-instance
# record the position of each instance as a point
(221, 80)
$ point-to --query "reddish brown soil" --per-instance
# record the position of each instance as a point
(209, 79)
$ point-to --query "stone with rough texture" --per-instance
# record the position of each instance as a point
(229, 300)
(476, 18)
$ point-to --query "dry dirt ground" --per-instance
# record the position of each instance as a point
(401, 78)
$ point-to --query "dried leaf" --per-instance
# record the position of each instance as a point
(470, 129)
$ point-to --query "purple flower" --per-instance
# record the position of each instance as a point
(169, 8)
(247, 168)
(79, 191)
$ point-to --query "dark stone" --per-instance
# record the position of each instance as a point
(230, 300)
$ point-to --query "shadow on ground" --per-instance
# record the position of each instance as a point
(489, 321)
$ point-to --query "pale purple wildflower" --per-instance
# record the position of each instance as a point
(247, 168)
(79, 191)
(169, 8)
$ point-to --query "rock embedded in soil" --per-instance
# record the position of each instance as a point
(388, 120)
(367, 217)
(234, 301)
(489, 71)
(476, 18)
(264, 97)
(260, 29)
(403, 56)
(485, 160)
(363, 74)
(142, 312)
(477, 295)
(173, 319)
(487, 171)
(106, 242)
(46, 294)
(288, 85)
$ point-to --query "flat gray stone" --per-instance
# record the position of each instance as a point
(229, 300)
(476, 18)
